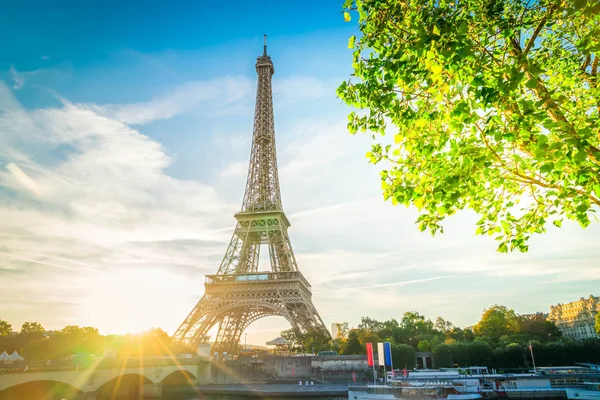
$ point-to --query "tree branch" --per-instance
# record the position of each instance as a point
(529, 179)
(537, 30)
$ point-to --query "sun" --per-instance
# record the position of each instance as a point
(135, 300)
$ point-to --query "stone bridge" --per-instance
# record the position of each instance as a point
(116, 379)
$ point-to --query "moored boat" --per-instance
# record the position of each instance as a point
(588, 391)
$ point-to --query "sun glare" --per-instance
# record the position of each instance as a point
(132, 301)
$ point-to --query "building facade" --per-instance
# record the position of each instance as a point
(576, 319)
(336, 330)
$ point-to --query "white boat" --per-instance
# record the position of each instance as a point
(385, 392)
(590, 391)
(453, 384)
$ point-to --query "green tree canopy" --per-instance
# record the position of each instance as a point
(353, 345)
(442, 325)
(5, 328)
(493, 105)
(424, 345)
(314, 339)
(598, 323)
(537, 327)
(497, 321)
(403, 355)
(32, 327)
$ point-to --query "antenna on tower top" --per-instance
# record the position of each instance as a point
(265, 46)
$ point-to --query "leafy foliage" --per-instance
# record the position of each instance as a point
(352, 345)
(424, 345)
(497, 321)
(5, 328)
(493, 105)
(313, 340)
(32, 327)
(34, 343)
(403, 355)
(597, 325)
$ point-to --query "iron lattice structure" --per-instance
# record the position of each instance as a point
(239, 293)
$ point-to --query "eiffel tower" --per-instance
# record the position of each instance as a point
(239, 293)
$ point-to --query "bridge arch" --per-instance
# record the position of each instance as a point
(180, 377)
(40, 389)
(125, 385)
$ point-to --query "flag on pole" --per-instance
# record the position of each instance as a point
(387, 351)
(380, 355)
(370, 362)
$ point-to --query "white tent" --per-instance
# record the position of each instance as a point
(15, 356)
(4, 356)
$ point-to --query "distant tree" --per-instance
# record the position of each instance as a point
(442, 325)
(515, 356)
(290, 335)
(455, 334)
(156, 342)
(353, 345)
(442, 355)
(344, 330)
(537, 328)
(316, 339)
(75, 340)
(32, 327)
(469, 334)
(416, 324)
(5, 328)
(388, 329)
(497, 321)
(367, 336)
(370, 324)
(461, 354)
(40, 349)
(424, 345)
(490, 103)
(598, 324)
(403, 355)
(480, 354)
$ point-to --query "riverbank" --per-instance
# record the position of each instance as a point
(266, 390)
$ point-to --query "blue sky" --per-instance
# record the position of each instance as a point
(124, 141)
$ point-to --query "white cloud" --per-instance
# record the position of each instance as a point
(104, 203)
(18, 79)
(82, 193)
(213, 94)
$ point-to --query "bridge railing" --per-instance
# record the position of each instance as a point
(35, 367)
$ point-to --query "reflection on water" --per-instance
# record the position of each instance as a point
(188, 397)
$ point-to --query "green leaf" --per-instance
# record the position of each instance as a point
(347, 17)
(548, 167)
(436, 30)
(532, 83)
(436, 69)
(557, 223)
(579, 4)
(351, 41)
(581, 156)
